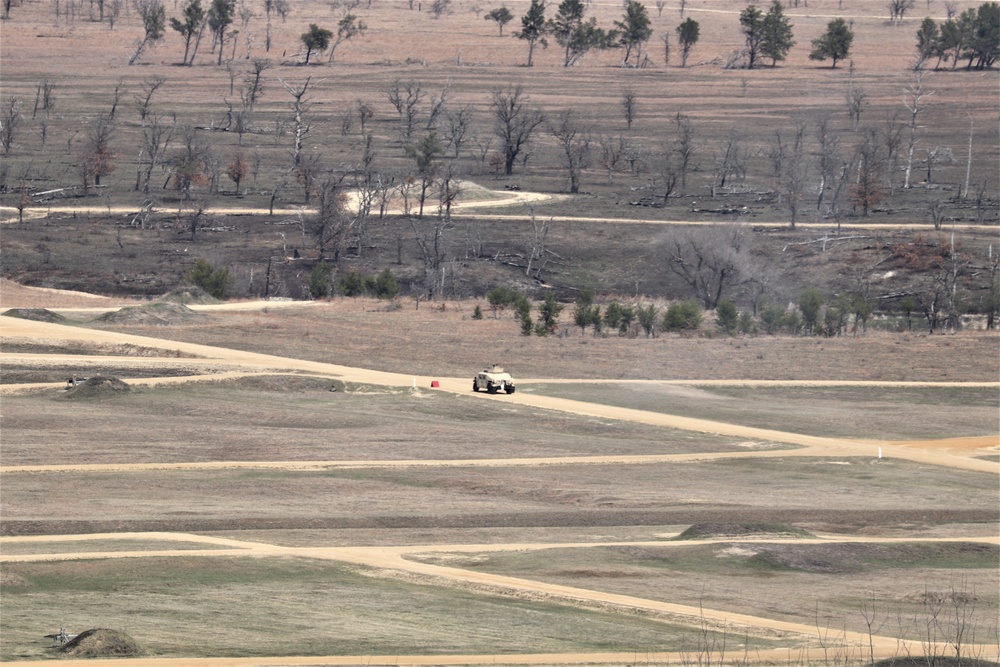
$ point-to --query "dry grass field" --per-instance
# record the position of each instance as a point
(513, 531)
(274, 490)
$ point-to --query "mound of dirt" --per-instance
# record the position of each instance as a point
(101, 643)
(99, 386)
(188, 294)
(156, 313)
(701, 531)
(36, 314)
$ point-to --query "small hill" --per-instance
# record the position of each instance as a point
(36, 314)
(99, 386)
(101, 643)
(157, 313)
(702, 531)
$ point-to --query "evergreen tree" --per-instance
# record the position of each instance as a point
(834, 44)
(576, 35)
(636, 29)
(500, 15)
(220, 17)
(687, 36)
(316, 39)
(752, 27)
(548, 311)
(533, 28)
(777, 30)
(928, 42)
(194, 16)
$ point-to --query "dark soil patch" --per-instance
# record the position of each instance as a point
(285, 384)
(101, 643)
(36, 314)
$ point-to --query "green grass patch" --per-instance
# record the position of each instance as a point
(180, 607)
(74, 546)
(893, 413)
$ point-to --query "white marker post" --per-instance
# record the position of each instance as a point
(880, 453)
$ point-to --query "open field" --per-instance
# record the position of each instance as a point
(279, 484)
(253, 499)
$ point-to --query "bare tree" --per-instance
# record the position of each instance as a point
(857, 100)
(790, 169)
(935, 156)
(330, 224)
(299, 106)
(892, 136)
(515, 122)
(870, 159)
(116, 96)
(98, 156)
(898, 9)
(730, 162)
(575, 143)
(191, 164)
(914, 102)
(44, 99)
(405, 98)
(711, 260)
(253, 83)
(431, 236)
(366, 112)
(437, 106)
(630, 106)
(612, 152)
(12, 112)
(156, 138)
(144, 102)
(457, 126)
(830, 161)
(536, 249)
(684, 149)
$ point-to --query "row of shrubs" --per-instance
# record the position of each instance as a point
(811, 316)
(351, 283)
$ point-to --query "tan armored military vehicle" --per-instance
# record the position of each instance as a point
(493, 379)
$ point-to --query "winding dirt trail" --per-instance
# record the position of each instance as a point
(398, 561)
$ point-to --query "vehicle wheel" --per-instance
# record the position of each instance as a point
(510, 389)
(475, 386)
(491, 388)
